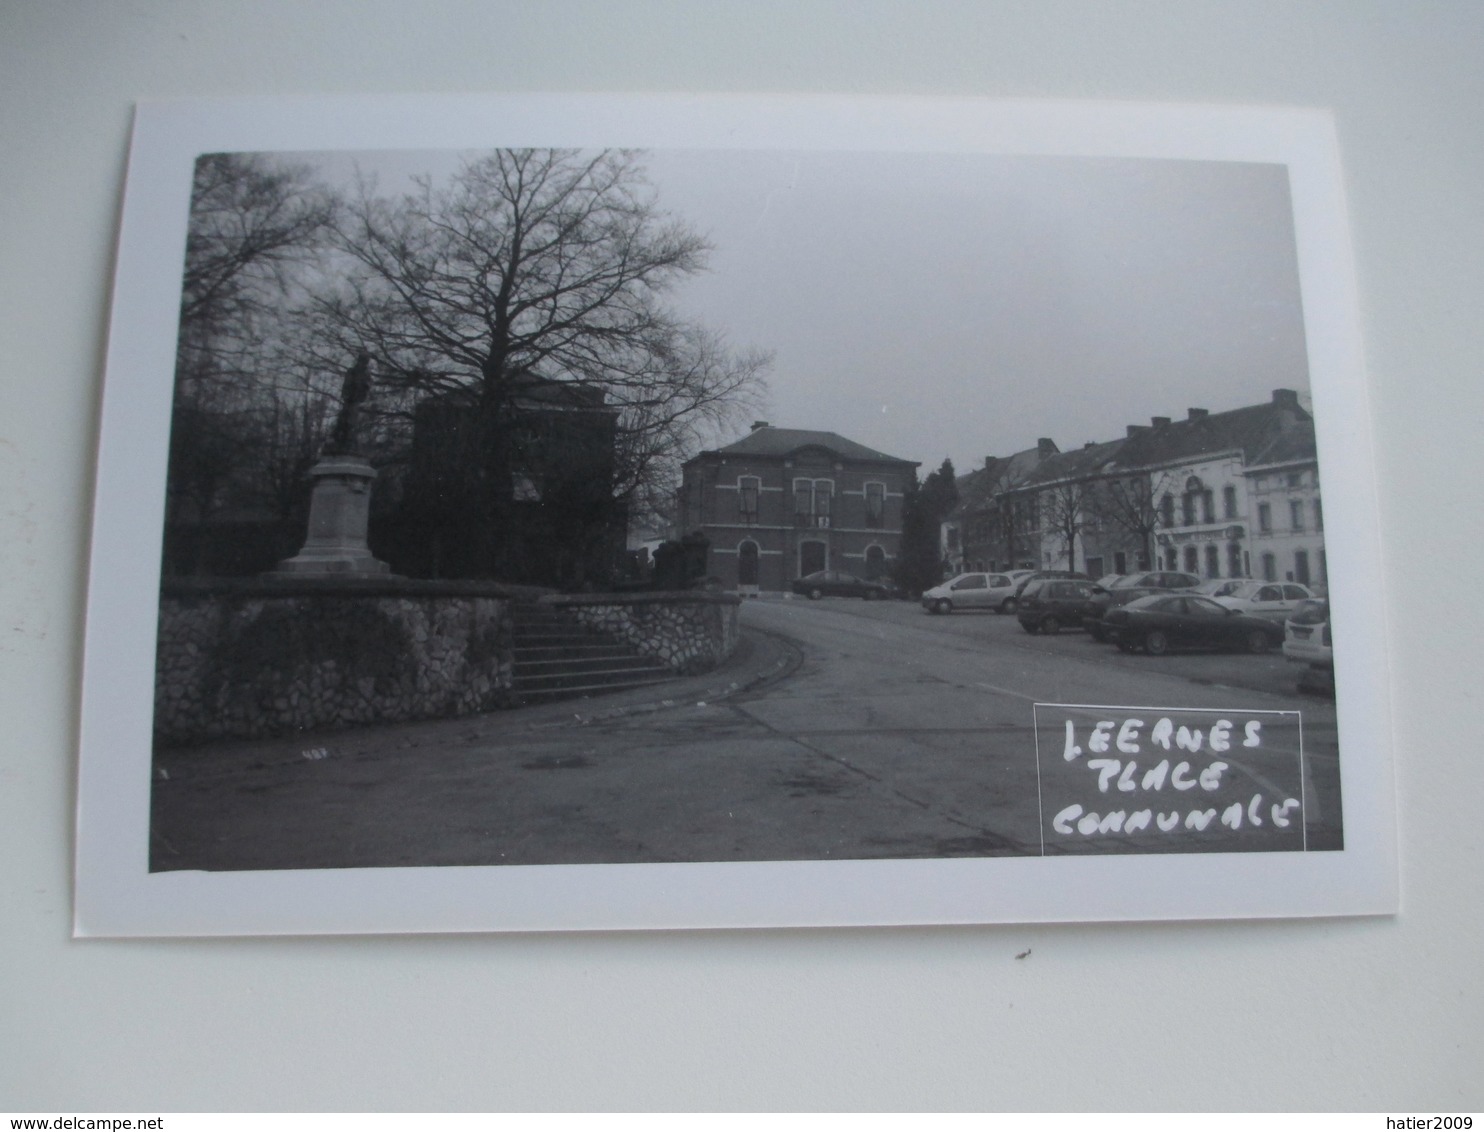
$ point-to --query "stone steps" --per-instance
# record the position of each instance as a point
(557, 657)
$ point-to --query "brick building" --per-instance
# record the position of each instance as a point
(559, 521)
(781, 503)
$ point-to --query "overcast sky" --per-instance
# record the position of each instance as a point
(963, 305)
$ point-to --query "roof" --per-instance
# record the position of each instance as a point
(779, 442)
(531, 393)
(1289, 446)
(1254, 430)
(978, 488)
(1079, 463)
(1277, 431)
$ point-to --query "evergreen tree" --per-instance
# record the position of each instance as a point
(920, 561)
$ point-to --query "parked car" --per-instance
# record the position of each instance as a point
(1217, 587)
(1307, 641)
(1132, 586)
(1049, 604)
(1273, 600)
(837, 583)
(1161, 622)
(1038, 575)
(1306, 635)
(975, 591)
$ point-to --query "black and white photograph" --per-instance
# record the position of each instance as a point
(812, 507)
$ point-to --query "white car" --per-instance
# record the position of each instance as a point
(1217, 587)
(1307, 637)
(1272, 600)
(975, 591)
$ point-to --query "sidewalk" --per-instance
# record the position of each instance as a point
(669, 772)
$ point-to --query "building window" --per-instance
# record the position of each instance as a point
(1120, 562)
(1233, 560)
(812, 503)
(1192, 560)
(1296, 514)
(875, 505)
(1265, 520)
(1295, 479)
(748, 488)
(1269, 568)
(1229, 502)
(1318, 516)
(1213, 561)
(1196, 495)
(1095, 567)
(1167, 511)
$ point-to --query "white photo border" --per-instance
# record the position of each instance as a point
(117, 895)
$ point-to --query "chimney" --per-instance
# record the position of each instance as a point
(1045, 446)
(1285, 398)
(760, 424)
(1159, 422)
(1091, 444)
(1135, 429)
(1196, 414)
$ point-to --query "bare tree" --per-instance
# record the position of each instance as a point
(1014, 514)
(254, 226)
(1064, 509)
(533, 267)
(1133, 503)
(252, 223)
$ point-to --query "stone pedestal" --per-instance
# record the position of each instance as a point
(339, 510)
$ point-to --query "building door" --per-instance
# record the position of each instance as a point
(875, 562)
(813, 557)
(747, 567)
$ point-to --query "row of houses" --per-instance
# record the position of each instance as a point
(1223, 495)
(1229, 494)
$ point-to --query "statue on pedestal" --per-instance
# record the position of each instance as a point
(340, 500)
(354, 390)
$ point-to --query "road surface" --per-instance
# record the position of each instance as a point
(895, 734)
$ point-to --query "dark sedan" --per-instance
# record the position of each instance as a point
(1161, 622)
(1131, 588)
(837, 583)
(1046, 606)
(1042, 575)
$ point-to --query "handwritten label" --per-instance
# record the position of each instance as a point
(1149, 780)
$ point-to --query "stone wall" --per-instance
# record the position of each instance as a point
(689, 631)
(242, 659)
